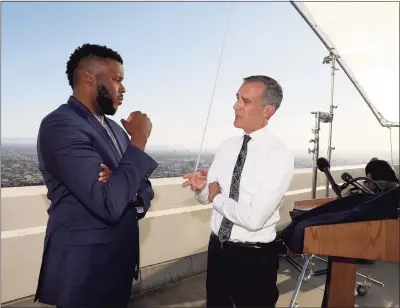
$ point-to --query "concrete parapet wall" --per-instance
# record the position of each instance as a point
(173, 236)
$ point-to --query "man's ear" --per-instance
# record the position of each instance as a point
(88, 79)
(269, 111)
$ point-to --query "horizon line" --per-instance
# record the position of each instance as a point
(32, 141)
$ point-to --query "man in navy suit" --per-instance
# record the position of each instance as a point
(91, 246)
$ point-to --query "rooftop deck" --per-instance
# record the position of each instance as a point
(168, 277)
(190, 292)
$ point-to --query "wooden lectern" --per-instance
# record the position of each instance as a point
(343, 243)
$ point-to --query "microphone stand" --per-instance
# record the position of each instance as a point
(331, 59)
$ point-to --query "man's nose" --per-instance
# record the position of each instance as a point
(122, 89)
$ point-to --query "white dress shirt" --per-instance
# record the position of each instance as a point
(265, 178)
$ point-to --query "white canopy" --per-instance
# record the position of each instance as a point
(365, 35)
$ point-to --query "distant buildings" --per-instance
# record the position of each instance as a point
(19, 164)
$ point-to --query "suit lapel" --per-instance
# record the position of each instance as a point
(85, 112)
(96, 124)
(121, 139)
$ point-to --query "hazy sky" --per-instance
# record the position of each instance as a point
(171, 52)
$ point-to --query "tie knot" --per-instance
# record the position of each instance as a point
(246, 139)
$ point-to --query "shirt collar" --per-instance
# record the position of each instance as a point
(259, 134)
(100, 118)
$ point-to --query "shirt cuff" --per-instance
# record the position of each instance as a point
(218, 202)
(202, 195)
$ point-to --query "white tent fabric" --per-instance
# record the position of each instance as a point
(365, 35)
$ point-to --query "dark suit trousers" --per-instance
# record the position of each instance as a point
(243, 276)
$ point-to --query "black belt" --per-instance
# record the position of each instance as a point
(229, 244)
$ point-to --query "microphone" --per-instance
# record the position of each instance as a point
(343, 186)
(323, 166)
(346, 177)
(351, 181)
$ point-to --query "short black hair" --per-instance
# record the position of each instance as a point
(85, 51)
(273, 94)
(380, 170)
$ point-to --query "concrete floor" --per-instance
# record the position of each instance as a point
(191, 292)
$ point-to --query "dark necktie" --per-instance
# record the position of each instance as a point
(109, 132)
(225, 229)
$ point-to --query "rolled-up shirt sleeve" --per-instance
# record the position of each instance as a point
(202, 195)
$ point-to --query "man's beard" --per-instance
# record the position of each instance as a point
(104, 101)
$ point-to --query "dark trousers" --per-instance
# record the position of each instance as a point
(245, 277)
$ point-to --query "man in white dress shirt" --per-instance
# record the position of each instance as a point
(246, 184)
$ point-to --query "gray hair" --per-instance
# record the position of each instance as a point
(273, 93)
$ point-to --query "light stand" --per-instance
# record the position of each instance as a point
(382, 121)
(325, 117)
(330, 59)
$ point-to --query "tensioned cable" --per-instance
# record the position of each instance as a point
(215, 84)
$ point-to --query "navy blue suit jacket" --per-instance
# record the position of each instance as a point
(91, 248)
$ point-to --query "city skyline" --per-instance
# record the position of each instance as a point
(19, 163)
(299, 153)
(171, 53)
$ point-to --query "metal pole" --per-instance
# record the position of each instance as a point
(324, 117)
(391, 147)
(382, 121)
(315, 152)
(330, 59)
(293, 303)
